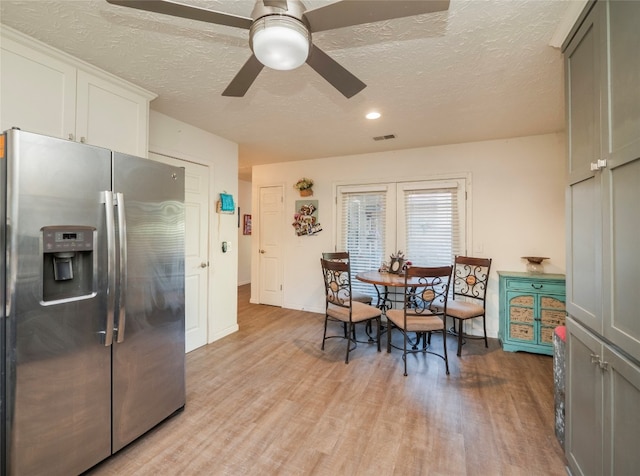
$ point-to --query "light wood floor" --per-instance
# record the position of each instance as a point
(266, 400)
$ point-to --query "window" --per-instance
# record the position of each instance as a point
(424, 219)
(430, 221)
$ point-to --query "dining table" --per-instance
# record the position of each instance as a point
(389, 286)
(390, 290)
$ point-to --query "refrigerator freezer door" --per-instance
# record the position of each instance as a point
(58, 371)
(148, 352)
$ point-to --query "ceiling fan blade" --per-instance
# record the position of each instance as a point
(244, 79)
(349, 13)
(329, 69)
(191, 12)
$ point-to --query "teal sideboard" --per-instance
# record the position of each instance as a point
(531, 307)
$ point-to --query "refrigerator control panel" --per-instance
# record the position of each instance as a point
(67, 238)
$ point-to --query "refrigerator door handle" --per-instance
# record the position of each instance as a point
(122, 240)
(111, 267)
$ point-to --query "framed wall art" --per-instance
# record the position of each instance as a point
(246, 225)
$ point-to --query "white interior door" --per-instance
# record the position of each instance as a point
(196, 249)
(269, 248)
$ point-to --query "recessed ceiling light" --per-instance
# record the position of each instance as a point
(373, 115)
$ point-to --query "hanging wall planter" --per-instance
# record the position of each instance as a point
(304, 186)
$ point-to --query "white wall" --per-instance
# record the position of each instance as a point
(244, 241)
(177, 139)
(517, 206)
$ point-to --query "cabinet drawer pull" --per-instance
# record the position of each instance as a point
(537, 286)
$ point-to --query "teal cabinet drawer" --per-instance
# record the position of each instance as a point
(535, 286)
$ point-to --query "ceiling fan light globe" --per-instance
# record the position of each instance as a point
(280, 42)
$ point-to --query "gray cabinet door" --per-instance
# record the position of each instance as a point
(583, 439)
(621, 416)
(583, 81)
(584, 217)
(621, 254)
(621, 181)
(623, 96)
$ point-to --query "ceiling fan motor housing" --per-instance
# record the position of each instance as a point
(280, 36)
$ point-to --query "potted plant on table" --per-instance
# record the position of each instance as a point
(304, 185)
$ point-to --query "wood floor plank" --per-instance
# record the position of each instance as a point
(267, 400)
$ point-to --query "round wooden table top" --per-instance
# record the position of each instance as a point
(382, 279)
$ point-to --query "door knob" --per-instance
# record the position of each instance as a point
(262, 251)
(204, 264)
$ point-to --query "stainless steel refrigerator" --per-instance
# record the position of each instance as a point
(92, 253)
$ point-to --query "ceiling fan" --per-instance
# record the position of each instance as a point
(280, 32)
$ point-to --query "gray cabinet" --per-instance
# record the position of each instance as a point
(584, 221)
(603, 112)
(602, 75)
(602, 402)
(621, 178)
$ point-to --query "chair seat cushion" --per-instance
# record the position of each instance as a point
(463, 309)
(361, 312)
(415, 322)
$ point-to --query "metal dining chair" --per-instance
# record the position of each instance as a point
(341, 307)
(426, 293)
(470, 280)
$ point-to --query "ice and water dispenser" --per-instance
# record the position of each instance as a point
(68, 262)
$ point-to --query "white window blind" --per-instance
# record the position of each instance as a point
(362, 229)
(431, 225)
(424, 219)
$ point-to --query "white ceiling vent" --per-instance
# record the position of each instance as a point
(387, 137)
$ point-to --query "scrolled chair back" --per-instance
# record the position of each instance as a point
(471, 276)
(427, 289)
(337, 282)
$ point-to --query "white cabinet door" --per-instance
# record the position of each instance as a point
(38, 92)
(111, 116)
(48, 92)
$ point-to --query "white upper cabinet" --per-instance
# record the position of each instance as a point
(48, 92)
(38, 91)
(111, 116)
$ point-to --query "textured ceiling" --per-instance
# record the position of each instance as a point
(481, 70)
